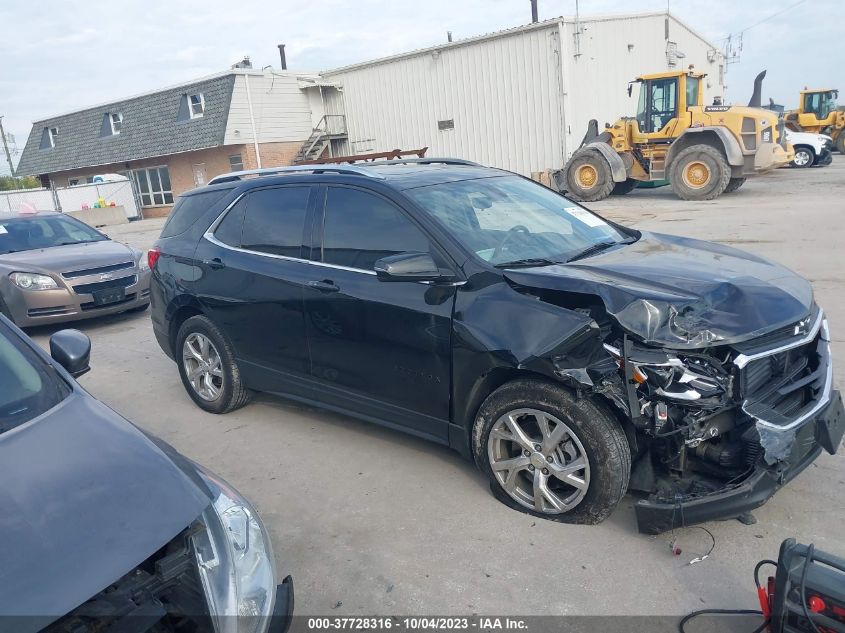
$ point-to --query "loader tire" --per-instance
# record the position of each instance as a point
(588, 177)
(699, 172)
(839, 143)
(734, 184)
(626, 186)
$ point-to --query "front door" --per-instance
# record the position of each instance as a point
(657, 108)
(382, 348)
(199, 175)
(251, 284)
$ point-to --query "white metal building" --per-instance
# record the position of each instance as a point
(519, 99)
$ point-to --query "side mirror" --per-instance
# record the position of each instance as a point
(72, 350)
(409, 267)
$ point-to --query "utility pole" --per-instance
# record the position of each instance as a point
(6, 147)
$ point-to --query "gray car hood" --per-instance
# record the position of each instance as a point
(85, 498)
(682, 293)
(72, 257)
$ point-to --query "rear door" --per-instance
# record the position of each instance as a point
(253, 272)
(382, 348)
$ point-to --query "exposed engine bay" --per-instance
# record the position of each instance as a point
(161, 594)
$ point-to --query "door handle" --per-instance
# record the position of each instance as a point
(326, 285)
(215, 264)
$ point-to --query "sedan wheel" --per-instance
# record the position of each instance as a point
(803, 158)
(538, 461)
(203, 367)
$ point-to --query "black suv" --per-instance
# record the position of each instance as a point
(572, 358)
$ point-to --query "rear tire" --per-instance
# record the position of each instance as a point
(207, 367)
(804, 157)
(626, 186)
(734, 184)
(588, 177)
(579, 472)
(839, 143)
(699, 172)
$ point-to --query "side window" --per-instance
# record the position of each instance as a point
(229, 229)
(360, 228)
(275, 219)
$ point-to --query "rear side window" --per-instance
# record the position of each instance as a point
(275, 219)
(188, 210)
(229, 229)
(361, 228)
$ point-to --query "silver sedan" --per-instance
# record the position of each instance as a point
(55, 268)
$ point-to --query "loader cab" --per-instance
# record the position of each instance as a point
(662, 98)
(817, 104)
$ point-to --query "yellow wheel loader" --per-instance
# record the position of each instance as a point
(703, 151)
(817, 114)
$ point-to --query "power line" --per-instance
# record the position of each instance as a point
(766, 19)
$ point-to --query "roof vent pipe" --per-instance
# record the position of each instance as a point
(449, 36)
(282, 56)
(534, 17)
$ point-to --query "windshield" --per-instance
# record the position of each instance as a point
(30, 233)
(28, 385)
(508, 219)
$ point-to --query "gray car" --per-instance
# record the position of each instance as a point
(54, 268)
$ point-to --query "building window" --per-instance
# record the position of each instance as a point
(236, 162)
(116, 121)
(54, 134)
(153, 186)
(72, 182)
(48, 138)
(197, 105)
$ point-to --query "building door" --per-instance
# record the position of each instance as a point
(199, 174)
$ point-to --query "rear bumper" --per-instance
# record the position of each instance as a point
(824, 431)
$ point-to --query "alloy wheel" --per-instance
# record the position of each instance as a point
(203, 367)
(538, 461)
(802, 158)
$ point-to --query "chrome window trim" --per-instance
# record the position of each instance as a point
(743, 359)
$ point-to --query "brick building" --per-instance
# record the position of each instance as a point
(171, 140)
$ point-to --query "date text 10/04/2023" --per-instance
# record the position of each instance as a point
(423, 623)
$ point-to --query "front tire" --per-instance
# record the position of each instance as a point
(207, 367)
(551, 455)
(839, 143)
(734, 184)
(699, 172)
(804, 157)
(588, 177)
(624, 187)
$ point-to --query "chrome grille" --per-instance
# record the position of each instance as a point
(85, 289)
(74, 274)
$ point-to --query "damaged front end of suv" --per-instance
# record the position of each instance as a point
(725, 387)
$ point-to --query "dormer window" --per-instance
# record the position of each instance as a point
(196, 103)
(48, 138)
(115, 121)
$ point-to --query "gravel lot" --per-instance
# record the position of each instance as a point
(370, 521)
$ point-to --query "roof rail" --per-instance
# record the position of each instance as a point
(314, 169)
(427, 161)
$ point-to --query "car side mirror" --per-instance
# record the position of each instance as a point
(72, 350)
(409, 267)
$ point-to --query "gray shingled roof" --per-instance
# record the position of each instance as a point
(152, 126)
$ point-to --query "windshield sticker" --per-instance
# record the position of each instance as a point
(585, 216)
(3, 230)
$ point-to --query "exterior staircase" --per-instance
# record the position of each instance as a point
(330, 126)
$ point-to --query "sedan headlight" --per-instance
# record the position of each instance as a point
(235, 562)
(33, 281)
(671, 378)
(143, 263)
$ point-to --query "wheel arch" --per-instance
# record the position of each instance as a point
(617, 167)
(178, 311)
(717, 137)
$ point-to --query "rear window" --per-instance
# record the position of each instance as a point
(188, 210)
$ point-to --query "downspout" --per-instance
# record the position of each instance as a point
(252, 122)
(561, 89)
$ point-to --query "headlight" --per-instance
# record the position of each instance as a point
(33, 281)
(143, 263)
(671, 378)
(235, 562)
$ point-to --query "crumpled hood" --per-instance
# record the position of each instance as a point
(682, 293)
(72, 257)
(86, 497)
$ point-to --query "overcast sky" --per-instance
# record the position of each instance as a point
(58, 56)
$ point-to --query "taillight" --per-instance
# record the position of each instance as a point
(152, 257)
